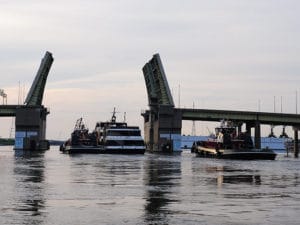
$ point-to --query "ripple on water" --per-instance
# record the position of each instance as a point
(54, 188)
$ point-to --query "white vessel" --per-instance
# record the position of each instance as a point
(118, 137)
(109, 137)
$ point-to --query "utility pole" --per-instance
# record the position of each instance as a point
(281, 104)
(179, 96)
(194, 126)
(296, 102)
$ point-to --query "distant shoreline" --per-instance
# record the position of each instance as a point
(7, 141)
(11, 141)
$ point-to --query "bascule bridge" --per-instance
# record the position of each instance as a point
(163, 122)
(30, 117)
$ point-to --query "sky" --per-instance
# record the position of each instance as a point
(217, 54)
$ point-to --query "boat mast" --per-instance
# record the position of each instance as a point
(113, 118)
(124, 117)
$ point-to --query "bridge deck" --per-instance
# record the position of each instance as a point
(8, 110)
(243, 116)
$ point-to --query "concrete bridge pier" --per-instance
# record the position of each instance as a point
(162, 129)
(248, 128)
(257, 136)
(296, 141)
(31, 128)
(257, 132)
(148, 129)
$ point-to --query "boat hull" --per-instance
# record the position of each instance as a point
(247, 154)
(100, 150)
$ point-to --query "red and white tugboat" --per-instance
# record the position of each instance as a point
(228, 144)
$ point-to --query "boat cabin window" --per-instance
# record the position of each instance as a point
(124, 133)
(125, 142)
(226, 130)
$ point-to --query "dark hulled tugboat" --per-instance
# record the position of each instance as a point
(81, 140)
(227, 144)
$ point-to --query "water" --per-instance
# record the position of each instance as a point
(54, 188)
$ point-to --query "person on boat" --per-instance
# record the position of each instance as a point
(220, 137)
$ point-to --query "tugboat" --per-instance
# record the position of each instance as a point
(227, 144)
(110, 137)
(81, 140)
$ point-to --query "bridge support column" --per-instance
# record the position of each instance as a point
(296, 141)
(31, 128)
(248, 128)
(162, 129)
(257, 141)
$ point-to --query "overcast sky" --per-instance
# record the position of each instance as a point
(224, 54)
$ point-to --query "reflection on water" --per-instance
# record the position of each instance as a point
(54, 188)
(231, 175)
(161, 175)
(235, 179)
(29, 187)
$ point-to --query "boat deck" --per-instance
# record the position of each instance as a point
(243, 154)
(80, 149)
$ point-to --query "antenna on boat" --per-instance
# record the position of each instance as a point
(79, 124)
(113, 118)
(124, 117)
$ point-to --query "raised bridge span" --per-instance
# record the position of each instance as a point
(30, 123)
(163, 122)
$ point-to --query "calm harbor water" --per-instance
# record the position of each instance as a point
(54, 188)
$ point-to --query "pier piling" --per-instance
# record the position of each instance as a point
(257, 135)
(296, 146)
